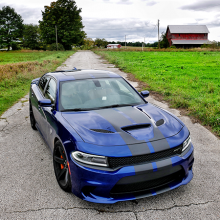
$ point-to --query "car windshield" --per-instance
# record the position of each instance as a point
(96, 93)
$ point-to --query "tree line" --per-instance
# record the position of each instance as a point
(61, 22)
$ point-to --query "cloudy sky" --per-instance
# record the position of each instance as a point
(137, 19)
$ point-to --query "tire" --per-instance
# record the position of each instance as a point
(61, 169)
(32, 119)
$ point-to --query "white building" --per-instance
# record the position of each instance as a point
(113, 46)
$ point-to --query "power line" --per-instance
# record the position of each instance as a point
(152, 31)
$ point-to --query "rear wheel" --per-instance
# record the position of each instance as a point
(61, 169)
(32, 119)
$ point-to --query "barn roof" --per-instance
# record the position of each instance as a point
(175, 42)
(188, 29)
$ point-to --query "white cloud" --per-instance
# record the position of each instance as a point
(211, 5)
(134, 29)
(125, 2)
(115, 18)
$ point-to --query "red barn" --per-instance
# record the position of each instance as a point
(187, 35)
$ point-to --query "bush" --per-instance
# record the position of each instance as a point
(172, 47)
(52, 47)
(205, 46)
(15, 46)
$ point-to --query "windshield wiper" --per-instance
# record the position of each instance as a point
(115, 106)
(87, 109)
(74, 110)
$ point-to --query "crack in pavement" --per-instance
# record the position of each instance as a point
(13, 113)
(5, 125)
(100, 211)
(17, 125)
(7, 119)
(173, 199)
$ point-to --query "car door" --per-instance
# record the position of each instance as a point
(38, 112)
(49, 112)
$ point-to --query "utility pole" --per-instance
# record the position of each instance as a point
(158, 34)
(125, 41)
(56, 37)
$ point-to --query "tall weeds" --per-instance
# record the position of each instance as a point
(15, 78)
(26, 70)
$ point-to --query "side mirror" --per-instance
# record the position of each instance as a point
(45, 103)
(145, 93)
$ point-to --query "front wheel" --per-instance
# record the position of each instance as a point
(61, 169)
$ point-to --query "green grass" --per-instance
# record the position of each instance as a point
(189, 80)
(17, 76)
(24, 56)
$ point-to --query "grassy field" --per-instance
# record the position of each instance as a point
(153, 49)
(17, 69)
(27, 55)
(189, 80)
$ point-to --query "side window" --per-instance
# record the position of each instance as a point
(50, 92)
(43, 83)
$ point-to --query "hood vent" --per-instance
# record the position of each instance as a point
(160, 122)
(135, 127)
(102, 131)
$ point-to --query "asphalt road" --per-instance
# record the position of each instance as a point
(28, 188)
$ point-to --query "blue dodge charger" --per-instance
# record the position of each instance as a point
(108, 143)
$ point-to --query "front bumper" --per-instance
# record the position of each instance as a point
(131, 182)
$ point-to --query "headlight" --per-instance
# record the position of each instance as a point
(90, 159)
(186, 143)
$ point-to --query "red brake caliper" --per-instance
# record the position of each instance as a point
(62, 166)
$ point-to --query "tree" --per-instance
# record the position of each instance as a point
(11, 26)
(88, 43)
(31, 36)
(164, 43)
(66, 17)
(101, 42)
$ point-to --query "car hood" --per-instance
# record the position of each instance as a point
(124, 125)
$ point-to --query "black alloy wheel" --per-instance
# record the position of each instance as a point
(61, 167)
(32, 119)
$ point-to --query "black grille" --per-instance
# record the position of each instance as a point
(147, 185)
(115, 162)
(102, 131)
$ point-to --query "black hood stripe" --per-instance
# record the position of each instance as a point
(138, 116)
(117, 121)
(125, 116)
(138, 149)
(160, 145)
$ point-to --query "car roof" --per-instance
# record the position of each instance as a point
(65, 75)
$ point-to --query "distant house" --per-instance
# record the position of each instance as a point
(113, 46)
(187, 35)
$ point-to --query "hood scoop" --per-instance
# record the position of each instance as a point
(140, 131)
(159, 122)
(135, 127)
(102, 131)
